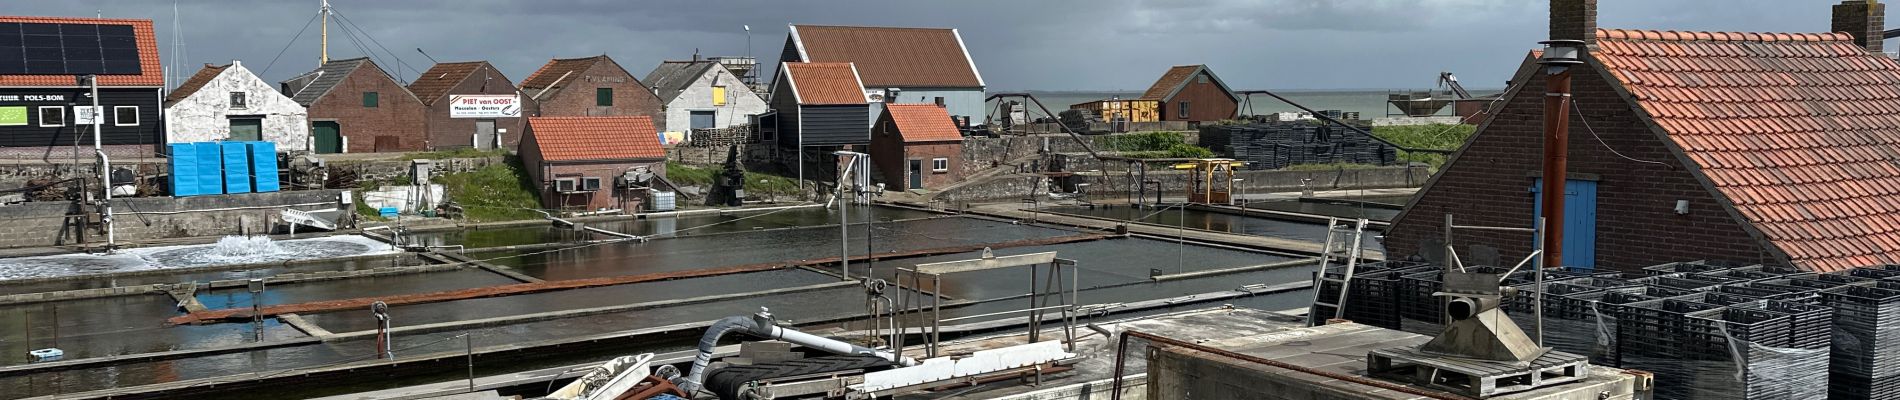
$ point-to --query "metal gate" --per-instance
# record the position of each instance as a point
(485, 134)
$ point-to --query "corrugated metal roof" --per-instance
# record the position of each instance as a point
(905, 57)
(824, 83)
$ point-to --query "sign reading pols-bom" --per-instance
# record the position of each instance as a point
(484, 106)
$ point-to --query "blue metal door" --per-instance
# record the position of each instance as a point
(1580, 221)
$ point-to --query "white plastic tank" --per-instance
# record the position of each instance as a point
(663, 201)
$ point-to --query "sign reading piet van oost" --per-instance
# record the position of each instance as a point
(10, 116)
(484, 106)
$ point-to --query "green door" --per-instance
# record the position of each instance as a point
(247, 129)
(328, 135)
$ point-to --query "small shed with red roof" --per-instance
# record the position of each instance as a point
(917, 146)
(581, 163)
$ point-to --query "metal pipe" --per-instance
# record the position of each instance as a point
(1559, 56)
(105, 162)
(1115, 392)
(761, 325)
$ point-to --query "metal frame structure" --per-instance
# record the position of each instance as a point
(1041, 287)
(1326, 255)
(1537, 257)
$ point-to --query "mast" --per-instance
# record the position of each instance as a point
(326, 34)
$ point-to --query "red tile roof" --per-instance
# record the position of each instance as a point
(595, 138)
(197, 81)
(151, 73)
(923, 123)
(551, 73)
(1800, 132)
(824, 83)
(435, 83)
(916, 57)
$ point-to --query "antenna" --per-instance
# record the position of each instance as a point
(426, 55)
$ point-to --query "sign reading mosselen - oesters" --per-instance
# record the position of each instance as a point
(484, 106)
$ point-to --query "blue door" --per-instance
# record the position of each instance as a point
(1580, 221)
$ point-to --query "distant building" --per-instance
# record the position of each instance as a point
(1193, 93)
(355, 107)
(817, 108)
(577, 163)
(702, 95)
(227, 102)
(917, 146)
(590, 86)
(470, 104)
(45, 102)
(1785, 154)
(899, 65)
(1112, 110)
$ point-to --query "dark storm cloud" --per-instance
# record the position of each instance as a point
(1019, 44)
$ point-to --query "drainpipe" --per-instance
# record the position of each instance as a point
(1559, 56)
(105, 162)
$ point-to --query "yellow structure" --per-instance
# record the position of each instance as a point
(1212, 181)
(1124, 110)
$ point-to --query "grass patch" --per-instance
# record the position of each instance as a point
(497, 192)
(687, 175)
(757, 185)
(465, 152)
(1161, 144)
(1434, 136)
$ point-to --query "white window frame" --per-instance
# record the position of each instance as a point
(119, 122)
(569, 182)
(41, 114)
(590, 184)
(939, 165)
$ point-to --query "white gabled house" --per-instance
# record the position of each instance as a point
(228, 102)
(702, 94)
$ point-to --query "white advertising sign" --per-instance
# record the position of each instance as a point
(484, 106)
(83, 115)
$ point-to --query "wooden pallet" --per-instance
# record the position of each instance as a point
(1476, 378)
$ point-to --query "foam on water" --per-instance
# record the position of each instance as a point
(227, 251)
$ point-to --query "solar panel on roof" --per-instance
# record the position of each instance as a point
(68, 49)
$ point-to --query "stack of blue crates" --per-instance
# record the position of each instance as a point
(223, 167)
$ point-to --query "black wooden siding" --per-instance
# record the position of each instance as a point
(833, 125)
(32, 135)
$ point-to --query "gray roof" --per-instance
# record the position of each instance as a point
(307, 88)
(673, 77)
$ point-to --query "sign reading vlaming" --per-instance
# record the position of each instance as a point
(484, 106)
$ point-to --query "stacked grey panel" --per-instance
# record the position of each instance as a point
(1866, 360)
(1277, 145)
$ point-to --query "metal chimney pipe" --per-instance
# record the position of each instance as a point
(1559, 56)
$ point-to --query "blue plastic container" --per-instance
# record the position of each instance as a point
(263, 166)
(237, 167)
(184, 174)
(210, 174)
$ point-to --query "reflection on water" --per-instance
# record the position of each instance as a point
(227, 251)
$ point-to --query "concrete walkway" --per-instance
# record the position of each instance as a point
(1014, 211)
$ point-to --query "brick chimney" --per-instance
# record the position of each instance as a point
(1865, 19)
(1576, 20)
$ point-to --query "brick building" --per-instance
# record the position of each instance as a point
(470, 104)
(590, 86)
(899, 65)
(1192, 93)
(1751, 147)
(355, 107)
(917, 146)
(578, 163)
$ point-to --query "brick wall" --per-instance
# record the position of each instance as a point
(47, 223)
(1864, 21)
(1488, 183)
(606, 197)
(576, 95)
(449, 133)
(1573, 20)
(397, 115)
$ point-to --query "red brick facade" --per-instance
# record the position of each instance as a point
(450, 133)
(575, 96)
(395, 124)
(892, 158)
(1636, 222)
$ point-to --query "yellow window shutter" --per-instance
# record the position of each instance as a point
(719, 95)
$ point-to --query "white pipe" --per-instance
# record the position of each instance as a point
(105, 162)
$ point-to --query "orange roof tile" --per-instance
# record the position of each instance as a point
(435, 83)
(824, 83)
(197, 81)
(1798, 131)
(932, 57)
(151, 73)
(923, 123)
(595, 138)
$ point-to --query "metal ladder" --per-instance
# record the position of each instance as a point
(1329, 255)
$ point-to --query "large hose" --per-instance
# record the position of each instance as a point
(761, 325)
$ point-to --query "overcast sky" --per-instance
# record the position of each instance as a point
(1018, 44)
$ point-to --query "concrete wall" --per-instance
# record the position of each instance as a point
(47, 223)
(206, 115)
(1117, 186)
(380, 168)
(741, 102)
(980, 153)
(1175, 373)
